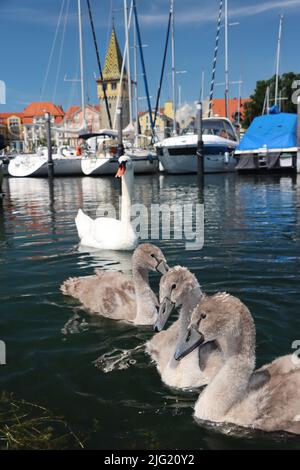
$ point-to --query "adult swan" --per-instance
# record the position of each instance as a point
(107, 233)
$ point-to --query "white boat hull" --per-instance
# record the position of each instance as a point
(37, 166)
(93, 166)
(178, 154)
(185, 164)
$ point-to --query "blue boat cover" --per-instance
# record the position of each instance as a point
(273, 131)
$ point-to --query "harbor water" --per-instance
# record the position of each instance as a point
(93, 371)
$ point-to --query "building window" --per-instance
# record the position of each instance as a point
(113, 86)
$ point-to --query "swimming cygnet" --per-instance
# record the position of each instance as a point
(116, 296)
(179, 287)
(272, 404)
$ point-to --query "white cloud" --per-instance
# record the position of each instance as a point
(209, 13)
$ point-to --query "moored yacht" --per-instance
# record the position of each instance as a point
(101, 155)
(270, 144)
(65, 163)
(178, 154)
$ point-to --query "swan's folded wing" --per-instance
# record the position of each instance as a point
(109, 294)
(105, 231)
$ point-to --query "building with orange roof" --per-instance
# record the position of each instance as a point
(25, 131)
(12, 130)
(33, 119)
(235, 106)
(73, 120)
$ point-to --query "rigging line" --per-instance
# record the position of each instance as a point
(99, 64)
(215, 59)
(143, 64)
(60, 51)
(163, 68)
(73, 88)
(52, 49)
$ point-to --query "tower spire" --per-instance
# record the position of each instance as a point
(112, 71)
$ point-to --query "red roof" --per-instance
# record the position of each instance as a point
(96, 107)
(71, 110)
(39, 108)
(74, 109)
(5, 116)
(219, 108)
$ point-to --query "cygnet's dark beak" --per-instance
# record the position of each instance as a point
(192, 340)
(162, 267)
(165, 309)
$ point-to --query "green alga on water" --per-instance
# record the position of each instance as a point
(24, 425)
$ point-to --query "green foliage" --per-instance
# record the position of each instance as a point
(255, 107)
(24, 425)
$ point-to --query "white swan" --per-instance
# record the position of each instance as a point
(269, 399)
(179, 287)
(107, 233)
(116, 296)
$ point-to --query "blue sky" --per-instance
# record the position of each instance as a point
(28, 30)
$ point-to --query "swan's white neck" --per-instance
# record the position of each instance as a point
(127, 189)
(230, 384)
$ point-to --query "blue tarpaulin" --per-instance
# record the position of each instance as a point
(273, 131)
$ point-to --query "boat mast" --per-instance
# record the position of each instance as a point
(226, 61)
(128, 59)
(81, 61)
(99, 64)
(278, 59)
(212, 86)
(202, 86)
(136, 88)
(173, 68)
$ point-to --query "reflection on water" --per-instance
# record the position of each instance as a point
(90, 369)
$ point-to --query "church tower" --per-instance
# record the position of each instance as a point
(111, 82)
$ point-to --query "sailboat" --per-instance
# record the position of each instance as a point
(65, 160)
(177, 154)
(100, 157)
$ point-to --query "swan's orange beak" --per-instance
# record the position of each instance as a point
(121, 170)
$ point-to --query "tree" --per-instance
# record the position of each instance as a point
(255, 107)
